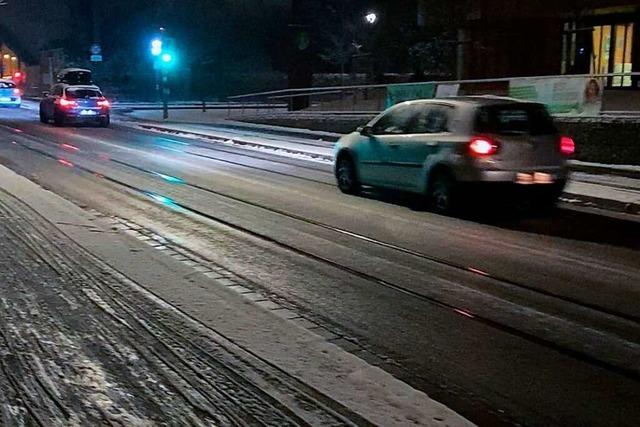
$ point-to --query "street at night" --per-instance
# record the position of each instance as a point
(357, 214)
(501, 320)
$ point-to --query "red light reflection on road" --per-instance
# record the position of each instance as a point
(475, 270)
(66, 163)
(463, 312)
(103, 156)
(70, 147)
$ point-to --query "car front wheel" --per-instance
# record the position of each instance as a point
(346, 176)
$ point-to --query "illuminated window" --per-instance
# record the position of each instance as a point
(601, 49)
(622, 54)
(612, 47)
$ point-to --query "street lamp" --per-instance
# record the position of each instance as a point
(371, 18)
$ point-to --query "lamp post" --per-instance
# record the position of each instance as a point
(370, 19)
(163, 54)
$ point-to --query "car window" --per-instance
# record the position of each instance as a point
(394, 122)
(7, 85)
(75, 78)
(430, 119)
(83, 93)
(532, 119)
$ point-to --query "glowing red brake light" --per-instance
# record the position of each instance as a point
(104, 103)
(64, 102)
(567, 146)
(483, 146)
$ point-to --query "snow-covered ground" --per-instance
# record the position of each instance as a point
(130, 333)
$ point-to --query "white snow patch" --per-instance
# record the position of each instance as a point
(97, 300)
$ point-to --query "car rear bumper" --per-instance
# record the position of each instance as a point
(79, 118)
(543, 175)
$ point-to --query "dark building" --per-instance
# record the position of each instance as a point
(506, 38)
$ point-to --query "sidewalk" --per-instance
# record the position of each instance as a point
(611, 187)
(104, 324)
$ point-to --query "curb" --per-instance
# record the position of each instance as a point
(604, 170)
(607, 204)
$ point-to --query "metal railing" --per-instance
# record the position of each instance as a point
(371, 99)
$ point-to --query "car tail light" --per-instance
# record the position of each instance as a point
(567, 146)
(64, 102)
(483, 146)
(103, 103)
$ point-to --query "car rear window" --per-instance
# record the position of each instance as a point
(82, 93)
(76, 78)
(7, 85)
(530, 119)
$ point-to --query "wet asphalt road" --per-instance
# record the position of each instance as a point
(506, 320)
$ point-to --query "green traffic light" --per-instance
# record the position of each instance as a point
(167, 57)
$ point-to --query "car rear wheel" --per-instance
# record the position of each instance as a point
(346, 176)
(442, 193)
(43, 118)
(105, 121)
(58, 119)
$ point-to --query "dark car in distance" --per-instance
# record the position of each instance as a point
(75, 104)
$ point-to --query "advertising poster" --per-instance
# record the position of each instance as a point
(572, 96)
(446, 90)
(401, 93)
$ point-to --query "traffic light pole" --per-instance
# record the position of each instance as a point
(165, 95)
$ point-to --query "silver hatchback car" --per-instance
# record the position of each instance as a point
(444, 147)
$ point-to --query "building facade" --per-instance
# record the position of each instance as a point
(505, 38)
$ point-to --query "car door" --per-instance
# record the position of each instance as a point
(426, 130)
(374, 151)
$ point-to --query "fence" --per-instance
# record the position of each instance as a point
(564, 94)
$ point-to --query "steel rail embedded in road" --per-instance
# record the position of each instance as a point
(461, 311)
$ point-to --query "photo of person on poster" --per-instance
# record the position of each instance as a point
(592, 101)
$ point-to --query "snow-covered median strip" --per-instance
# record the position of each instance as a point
(286, 149)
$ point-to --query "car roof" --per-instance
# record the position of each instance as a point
(87, 87)
(476, 100)
(71, 70)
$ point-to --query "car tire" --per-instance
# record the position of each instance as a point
(105, 122)
(43, 118)
(58, 119)
(347, 176)
(443, 197)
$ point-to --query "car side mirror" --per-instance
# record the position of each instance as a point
(365, 131)
(45, 93)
